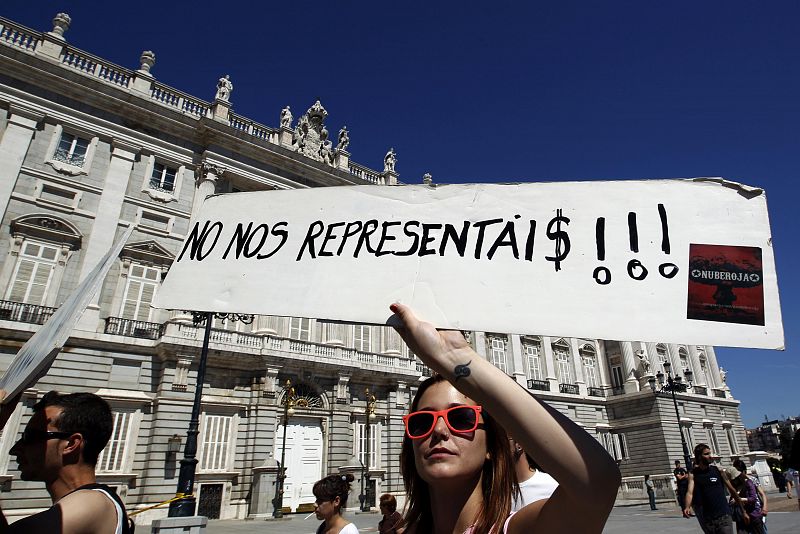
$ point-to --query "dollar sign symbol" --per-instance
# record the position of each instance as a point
(561, 238)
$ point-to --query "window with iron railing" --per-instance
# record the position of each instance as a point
(71, 150)
(163, 177)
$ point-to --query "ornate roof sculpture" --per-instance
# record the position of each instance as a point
(310, 136)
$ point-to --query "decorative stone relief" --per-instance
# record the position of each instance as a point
(310, 136)
(181, 380)
(208, 172)
(343, 389)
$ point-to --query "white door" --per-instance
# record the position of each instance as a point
(303, 461)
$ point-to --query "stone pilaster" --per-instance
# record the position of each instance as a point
(516, 357)
(602, 364)
(206, 179)
(577, 363)
(107, 218)
(711, 357)
(549, 361)
(16, 140)
(694, 357)
(628, 366)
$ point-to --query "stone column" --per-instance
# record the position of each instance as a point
(206, 179)
(628, 366)
(480, 344)
(106, 221)
(577, 363)
(549, 360)
(652, 353)
(13, 148)
(711, 357)
(602, 364)
(516, 358)
(694, 357)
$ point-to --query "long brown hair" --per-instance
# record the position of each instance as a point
(498, 482)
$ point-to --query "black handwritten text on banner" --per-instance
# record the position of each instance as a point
(595, 259)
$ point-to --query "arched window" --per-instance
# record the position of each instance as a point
(589, 360)
(532, 352)
(702, 377)
(661, 357)
(41, 247)
(563, 364)
(684, 358)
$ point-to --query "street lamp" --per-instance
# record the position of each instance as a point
(184, 504)
(674, 384)
(365, 476)
(288, 411)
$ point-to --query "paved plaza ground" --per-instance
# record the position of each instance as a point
(783, 519)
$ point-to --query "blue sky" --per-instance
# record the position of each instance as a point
(545, 91)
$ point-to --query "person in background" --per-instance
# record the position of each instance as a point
(762, 497)
(749, 521)
(706, 493)
(60, 446)
(682, 483)
(534, 484)
(331, 493)
(651, 492)
(794, 465)
(392, 519)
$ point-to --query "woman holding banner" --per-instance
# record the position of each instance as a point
(455, 459)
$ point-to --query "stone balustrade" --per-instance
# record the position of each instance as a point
(247, 342)
(19, 37)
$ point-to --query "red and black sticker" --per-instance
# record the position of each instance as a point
(726, 284)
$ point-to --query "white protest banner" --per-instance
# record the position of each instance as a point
(686, 261)
(36, 356)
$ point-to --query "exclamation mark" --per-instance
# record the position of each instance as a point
(636, 270)
(601, 273)
(667, 270)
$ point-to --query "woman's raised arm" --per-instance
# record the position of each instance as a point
(588, 477)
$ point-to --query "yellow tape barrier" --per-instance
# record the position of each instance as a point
(177, 497)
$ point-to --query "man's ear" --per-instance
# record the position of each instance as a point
(74, 444)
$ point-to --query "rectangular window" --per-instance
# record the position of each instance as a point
(731, 435)
(71, 150)
(688, 435)
(163, 178)
(361, 443)
(620, 447)
(713, 441)
(563, 366)
(616, 376)
(216, 442)
(57, 195)
(155, 220)
(497, 346)
(300, 328)
(33, 273)
(533, 361)
(112, 457)
(361, 338)
(139, 292)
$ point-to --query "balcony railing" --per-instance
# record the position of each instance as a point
(541, 385)
(720, 394)
(130, 328)
(596, 392)
(617, 390)
(24, 313)
(700, 390)
(568, 388)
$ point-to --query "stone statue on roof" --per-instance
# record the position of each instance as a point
(286, 117)
(344, 139)
(389, 161)
(224, 88)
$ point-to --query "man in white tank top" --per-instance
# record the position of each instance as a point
(534, 484)
(60, 446)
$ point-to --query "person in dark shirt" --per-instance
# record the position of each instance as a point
(707, 486)
(682, 481)
(392, 519)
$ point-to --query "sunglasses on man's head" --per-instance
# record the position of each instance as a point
(459, 419)
(33, 435)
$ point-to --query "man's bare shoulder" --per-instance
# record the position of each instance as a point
(87, 512)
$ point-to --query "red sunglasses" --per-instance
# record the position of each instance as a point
(459, 419)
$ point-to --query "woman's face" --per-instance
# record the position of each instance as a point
(326, 509)
(445, 455)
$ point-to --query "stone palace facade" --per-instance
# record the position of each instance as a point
(89, 148)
